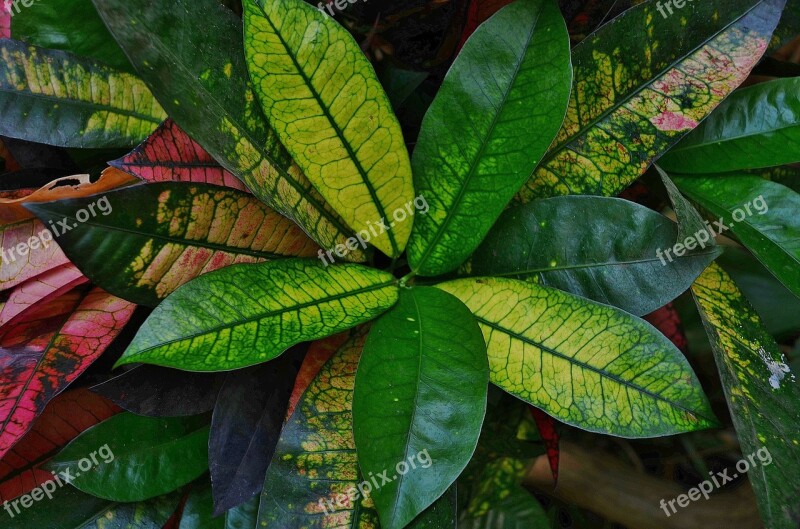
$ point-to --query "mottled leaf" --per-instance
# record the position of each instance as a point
(606, 249)
(189, 52)
(422, 377)
(642, 83)
(40, 289)
(247, 422)
(63, 419)
(169, 154)
(518, 510)
(54, 97)
(46, 351)
(760, 213)
(26, 251)
(488, 127)
(276, 305)
(586, 364)
(756, 127)
(144, 457)
(155, 391)
(147, 240)
(338, 124)
(762, 393)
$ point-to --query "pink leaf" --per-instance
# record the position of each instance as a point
(41, 288)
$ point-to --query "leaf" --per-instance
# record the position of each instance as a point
(142, 457)
(762, 394)
(420, 388)
(350, 147)
(5, 24)
(613, 254)
(319, 352)
(46, 351)
(789, 26)
(26, 251)
(756, 127)
(586, 364)
(40, 289)
(155, 391)
(760, 213)
(315, 460)
(169, 154)
(667, 320)
(189, 52)
(63, 419)
(75, 186)
(642, 83)
(69, 25)
(198, 513)
(247, 422)
(147, 240)
(278, 304)
(72, 509)
(488, 127)
(54, 97)
(518, 510)
(546, 427)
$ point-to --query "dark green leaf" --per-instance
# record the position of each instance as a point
(420, 389)
(198, 512)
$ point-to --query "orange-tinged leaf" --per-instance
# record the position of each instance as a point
(318, 354)
(43, 353)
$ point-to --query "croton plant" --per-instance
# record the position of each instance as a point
(371, 264)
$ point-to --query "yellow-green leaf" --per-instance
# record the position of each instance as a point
(762, 393)
(54, 97)
(586, 364)
(322, 97)
(247, 314)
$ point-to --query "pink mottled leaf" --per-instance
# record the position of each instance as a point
(169, 154)
(63, 419)
(39, 289)
(5, 19)
(27, 249)
(44, 352)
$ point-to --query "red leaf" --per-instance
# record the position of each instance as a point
(478, 13)
(41, 288)
(27, 250)
(5, 20)
(169, 154)
(62, 421)
(44, 352)
(667, 321)
(549, 434)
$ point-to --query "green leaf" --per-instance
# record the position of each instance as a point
(642, 83)
(53, 97)
(135, 458)
(519, 509)
(760, 213)
(189, 52)
(72, 509)
(145, 241)
(490, 124)
(338, 124)
(789, 26)
(69, 25)
(756, 127)
(586, 364)
(762, 393)
(199, 512)
(247, 314)
(420, 388)
(613, 254)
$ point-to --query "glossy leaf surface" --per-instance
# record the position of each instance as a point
(762, 393)
(487, 129)
(53, 97)
(277, 305)
(145, 241)
(422, 377)
(338, 125)
(606, 249)
(586, 364)
(756, 127)
(143, 457)
(642, 83)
